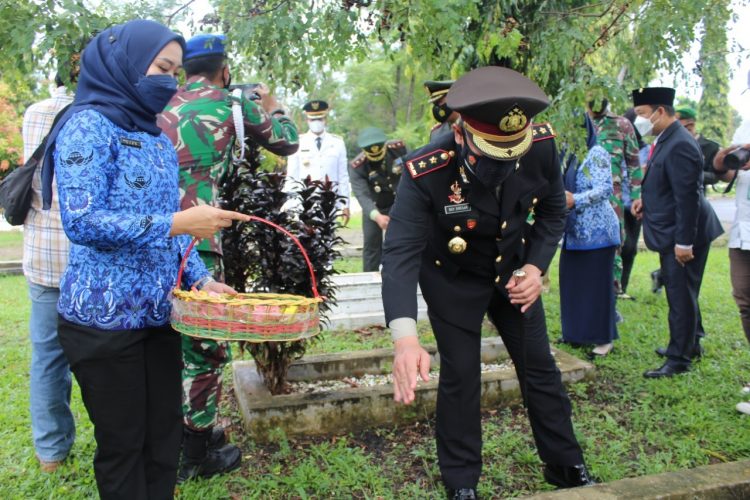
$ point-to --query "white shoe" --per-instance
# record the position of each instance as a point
(743, 407)
(746, 389)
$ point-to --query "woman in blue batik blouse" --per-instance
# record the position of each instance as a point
(592, 235)
(117, 177)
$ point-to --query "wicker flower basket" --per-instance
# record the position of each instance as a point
(248, 317)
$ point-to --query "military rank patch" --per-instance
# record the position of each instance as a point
(358, 160)
(542, 131)
(429, 162)
(395, 144)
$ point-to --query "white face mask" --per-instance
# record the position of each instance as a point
(316, 126)
(643, 125)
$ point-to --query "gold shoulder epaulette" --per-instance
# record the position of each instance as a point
(395, 144)
(542, 131)
(426, 163)
(358, 160)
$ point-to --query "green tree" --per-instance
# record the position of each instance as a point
(716, 118)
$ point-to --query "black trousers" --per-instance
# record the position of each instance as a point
(458, 426)
(372, 248)
(629, 247)
(683, 285)
(130, 384)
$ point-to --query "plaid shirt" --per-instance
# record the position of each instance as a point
(45, 246)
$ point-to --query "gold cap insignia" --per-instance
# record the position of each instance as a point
(315, 105)
(514, 120)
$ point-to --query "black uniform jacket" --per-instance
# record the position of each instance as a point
(375, 183)
(674, 208)
(439, 200)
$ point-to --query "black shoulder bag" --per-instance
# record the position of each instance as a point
(15, 189)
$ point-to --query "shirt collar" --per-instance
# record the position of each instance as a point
(198, 82)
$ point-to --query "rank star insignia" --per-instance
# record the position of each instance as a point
(456, 196)
(433, 159)
(422, 164)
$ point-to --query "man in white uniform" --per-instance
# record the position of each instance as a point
(320, 155)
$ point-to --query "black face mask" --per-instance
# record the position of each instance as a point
(491, 173)
(441, 112)
(602, 106)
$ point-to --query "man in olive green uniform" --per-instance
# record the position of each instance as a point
(375, 174)
(199, 121)
(445, 116)
(688, 117)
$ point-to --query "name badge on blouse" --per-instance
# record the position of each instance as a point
(131, 143)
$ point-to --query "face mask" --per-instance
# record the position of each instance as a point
(643, 125)
(602, 106)
(441, 112)
(316, 126)
(155, 91)
(491, 173)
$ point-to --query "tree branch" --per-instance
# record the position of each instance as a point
(169, 18)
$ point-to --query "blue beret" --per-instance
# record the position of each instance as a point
(205, 45)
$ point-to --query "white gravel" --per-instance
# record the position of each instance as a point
(318, 386)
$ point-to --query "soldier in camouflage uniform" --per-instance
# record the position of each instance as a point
(199, 122)
(375, 174)
(617, 136)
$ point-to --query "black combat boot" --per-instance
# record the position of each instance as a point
(567, 476)
(462, 494)
(199, 459)
(218, 438)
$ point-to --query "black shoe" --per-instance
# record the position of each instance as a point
(697, 352)
(463, 494)
(667, 370)
(568, 476)
(200, 460)
(656, 282)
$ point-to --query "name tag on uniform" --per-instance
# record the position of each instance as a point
(457, 209)
(130, 142)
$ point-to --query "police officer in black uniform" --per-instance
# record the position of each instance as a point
(444, 115)
(459, 229)
(375, 174)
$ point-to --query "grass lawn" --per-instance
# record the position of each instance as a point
(11, 245)
(628, 425)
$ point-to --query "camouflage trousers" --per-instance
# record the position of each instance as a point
(203, 364)
(619, 207)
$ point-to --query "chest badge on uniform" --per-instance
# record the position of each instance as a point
(463, 174)
(456, 197)
(457, 245)
(471, 223)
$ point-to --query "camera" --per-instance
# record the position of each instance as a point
(248, 90)
(736, 159)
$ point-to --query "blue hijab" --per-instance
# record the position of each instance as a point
(111, 66)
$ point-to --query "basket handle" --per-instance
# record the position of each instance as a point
(275, 226)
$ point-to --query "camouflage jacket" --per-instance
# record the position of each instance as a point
(617, 135)
(198, 121)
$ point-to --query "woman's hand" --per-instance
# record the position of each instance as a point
(216, 287)
(203, 221)
(569, 200)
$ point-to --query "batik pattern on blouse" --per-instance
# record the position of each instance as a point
(118, 193)
(596, 224)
